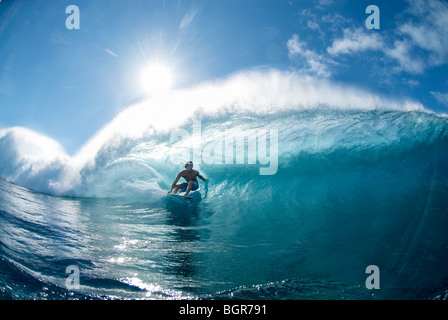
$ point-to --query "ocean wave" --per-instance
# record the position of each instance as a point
(136, 152)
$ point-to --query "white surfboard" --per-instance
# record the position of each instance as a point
(180, 196)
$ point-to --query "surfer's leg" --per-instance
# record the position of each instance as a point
(190, 185)
(177, 187)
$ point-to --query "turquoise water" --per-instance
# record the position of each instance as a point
(352, 188)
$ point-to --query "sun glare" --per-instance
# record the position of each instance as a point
(156, 79)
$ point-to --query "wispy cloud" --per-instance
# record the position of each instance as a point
(188, 18)
(401, 53)
(440, 97)
(324, 3)
(312, 62)
(415, 45)
(354, 41)
(431, 31)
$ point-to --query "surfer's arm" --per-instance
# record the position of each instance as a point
(179, 175)
(201, 177)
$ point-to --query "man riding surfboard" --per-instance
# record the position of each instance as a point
(190, 176)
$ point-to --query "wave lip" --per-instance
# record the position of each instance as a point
(35, 161)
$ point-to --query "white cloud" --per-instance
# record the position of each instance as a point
(315, 63)
(423, 34)
(441, 97)
(324, 3)
(412, 83)
(431, 31)
(188, 18)
(401, 53)
(313, 25)
(355, 41)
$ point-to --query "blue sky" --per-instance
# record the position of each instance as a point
(67, 84)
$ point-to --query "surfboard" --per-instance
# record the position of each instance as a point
(180, 196)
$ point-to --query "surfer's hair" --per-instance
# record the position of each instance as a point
(188, 163)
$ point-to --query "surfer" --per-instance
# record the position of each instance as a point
(190, 176)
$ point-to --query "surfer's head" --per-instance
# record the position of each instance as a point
(189, 164)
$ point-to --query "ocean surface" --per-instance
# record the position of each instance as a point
(343, 189)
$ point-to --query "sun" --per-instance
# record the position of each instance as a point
(156, 79)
